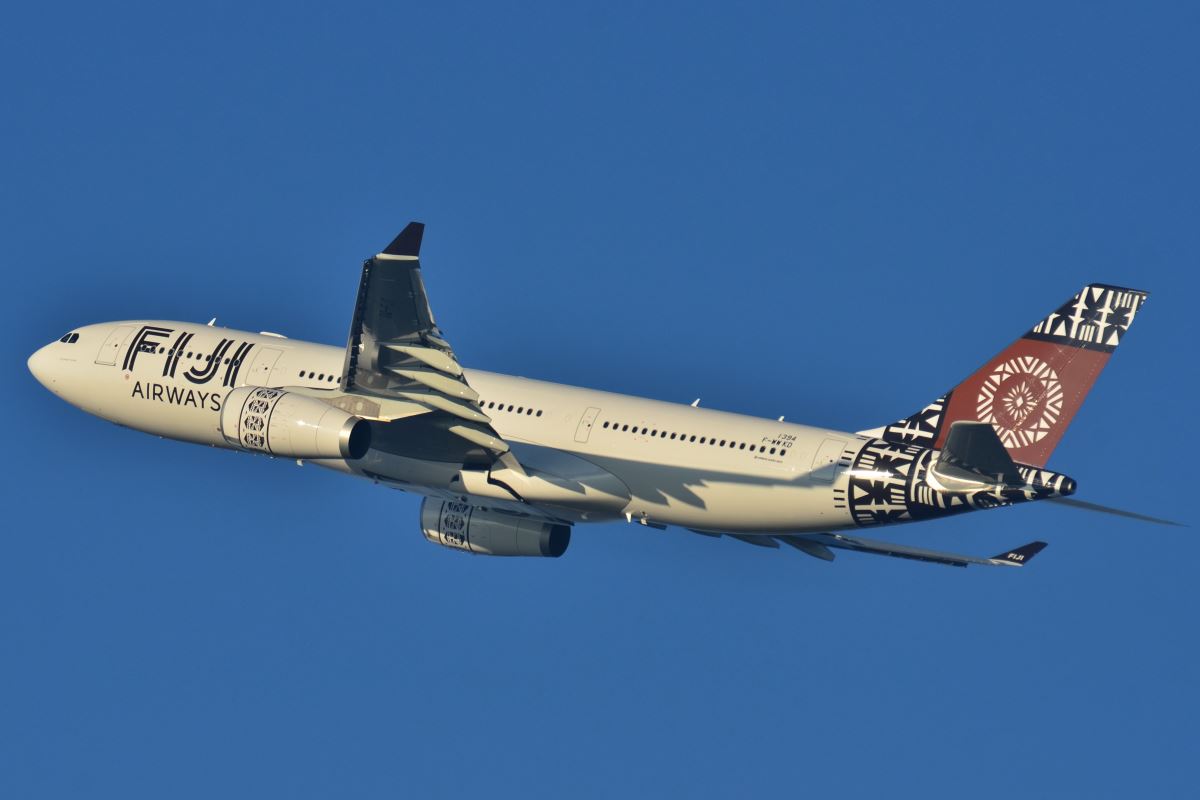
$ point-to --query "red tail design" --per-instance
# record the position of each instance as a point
(1032, 390)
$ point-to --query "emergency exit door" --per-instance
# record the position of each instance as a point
(585, 424)
(259, 373)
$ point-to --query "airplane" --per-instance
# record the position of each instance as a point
(508, 465)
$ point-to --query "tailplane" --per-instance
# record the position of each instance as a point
(1030, 391)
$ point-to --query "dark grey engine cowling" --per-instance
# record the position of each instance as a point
(477, 530)
(288, 424)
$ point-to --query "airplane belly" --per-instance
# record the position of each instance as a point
(739, 507)
(721, 500)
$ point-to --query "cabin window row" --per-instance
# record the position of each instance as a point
(196, 356)
(711, 441)
(529, 412)
(321, 376)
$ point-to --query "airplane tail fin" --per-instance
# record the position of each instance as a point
(1032, 389)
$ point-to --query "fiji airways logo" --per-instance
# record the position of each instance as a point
(200, 367)
(1023, 399)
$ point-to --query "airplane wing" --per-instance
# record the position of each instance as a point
(818, 545)
(397, 362)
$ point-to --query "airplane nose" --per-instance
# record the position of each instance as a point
(39, 365)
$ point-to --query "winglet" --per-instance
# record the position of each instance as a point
(408, 243)
(1021, 556)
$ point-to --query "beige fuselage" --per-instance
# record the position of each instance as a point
(673, 464)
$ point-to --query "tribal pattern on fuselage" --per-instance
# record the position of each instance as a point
(890, 483)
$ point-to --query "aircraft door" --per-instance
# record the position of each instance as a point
(585, 424)
(261, 368)
(824, 465)
(112, 345)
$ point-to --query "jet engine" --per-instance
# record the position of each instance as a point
(288, 424)
(491, 533)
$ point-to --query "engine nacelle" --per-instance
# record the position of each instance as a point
(491, 533)
(288, 424)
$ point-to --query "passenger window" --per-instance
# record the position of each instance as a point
(539, 413)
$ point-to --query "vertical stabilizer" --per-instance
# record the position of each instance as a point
(1031, 391)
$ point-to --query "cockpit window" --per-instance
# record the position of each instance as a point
(70, 338)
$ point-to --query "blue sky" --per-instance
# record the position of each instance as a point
(830, 211)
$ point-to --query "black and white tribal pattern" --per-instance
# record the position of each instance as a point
(889, 483)
(1094, 319)
(921, 428)
(255, 414)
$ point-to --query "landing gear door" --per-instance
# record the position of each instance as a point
(112, 345)
(585, 424)
(260, 370)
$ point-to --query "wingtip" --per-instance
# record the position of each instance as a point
(1021, 555)
(408, 242)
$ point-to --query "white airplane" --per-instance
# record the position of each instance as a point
(508, 465)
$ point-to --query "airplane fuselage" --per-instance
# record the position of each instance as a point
(600, 455)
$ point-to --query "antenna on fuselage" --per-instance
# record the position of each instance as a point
(696, 403)
(212, 322)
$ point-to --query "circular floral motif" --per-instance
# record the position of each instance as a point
(1023, 399)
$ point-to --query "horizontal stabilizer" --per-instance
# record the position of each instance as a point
(974, 453)
(1116, 512)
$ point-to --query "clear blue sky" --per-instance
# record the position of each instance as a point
(830, 211)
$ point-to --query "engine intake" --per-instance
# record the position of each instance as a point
(476, 530)
(288, 424)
